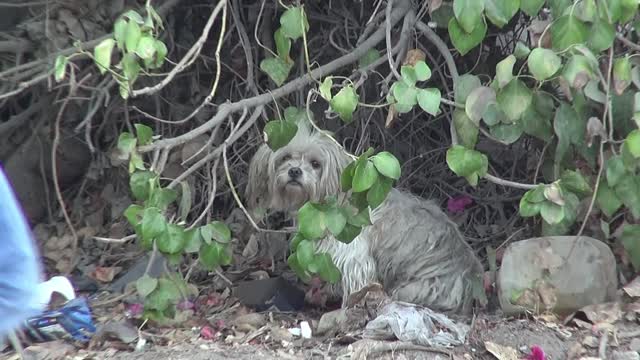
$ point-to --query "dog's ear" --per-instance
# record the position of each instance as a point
(257, 191)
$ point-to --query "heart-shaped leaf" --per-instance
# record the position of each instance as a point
(507, 133)
(278, 133)
(468, 163)
(621, 74)
(283, 45)
(408, 75)
(145, 285)
(464, 41)
(311, 222)
(521, 51)
(464, 86)
(277, 69)
(378, 192)
(566, 31)
(387, 164)
(531, 7)
(500, 12)
(336, 220)
(327, 269)
(504, 70)
(144, 134)
(153, 223)
(477, 102)
(132, 36)
(102, 54)
(601, 36)
(551, 213)
(120, 31)
(578, 71)
(465, 128)
(140, 184)
(294, 22)
(607, 200)
(325, 88)
(146, 48)
(468, 13)
(543, 63)
(365, 176)
(172, 240)
(514, 99)
(422, 70)
(345, 102)
(632, 142)
(305, 252)
(493, 115)
(429, 100)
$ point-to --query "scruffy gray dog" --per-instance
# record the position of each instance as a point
(411, 248)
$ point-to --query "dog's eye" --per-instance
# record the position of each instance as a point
(315, 164)
(286, 157)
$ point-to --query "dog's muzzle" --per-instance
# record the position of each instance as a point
(295, 173)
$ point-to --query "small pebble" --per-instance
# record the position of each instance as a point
(305, 330)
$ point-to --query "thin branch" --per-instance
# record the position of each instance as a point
(388, 27)
(630, 44)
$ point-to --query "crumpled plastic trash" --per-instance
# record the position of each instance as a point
(416, 324)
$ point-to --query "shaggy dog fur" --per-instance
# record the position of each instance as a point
(412, 248)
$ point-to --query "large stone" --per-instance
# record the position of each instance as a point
(559, 273)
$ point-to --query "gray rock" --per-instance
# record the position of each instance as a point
(625, 355)
(538, 274)
(635, 344)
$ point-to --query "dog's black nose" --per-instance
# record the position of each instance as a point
(295, 173)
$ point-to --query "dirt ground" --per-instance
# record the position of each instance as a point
(518, 335)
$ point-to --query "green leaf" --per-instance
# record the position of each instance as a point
(535, 195)
(220, 232)
(349, 233)
(575, 182)
(214, 254)
(408, 75)
(336, 220)
(146, 48)
(132, 36)
(144, 134)
(136, 162)
(442, 15)
(133, 15)
(126, 143)
(578, 71)
(621, 74)
(429, 100)
(493, 115)
(500, 12)
(615, 170)
(325, 88)
(279, 133)
(514, 99)
(294, 265)
(277, 69)
(364, 176)
(632, 143)
(465, 128)
(294, 22)
(192, 241)
(345, 102)
(406, 96)
(368, 58)
(601, 36)
(145, 285)
(60, 67)
(463, 41)
(161, 53)
(165, 295)
(185, 200)
(130, 68)
(568, 125)
(305, 252)
(607, 200)
(586, 10)
(629, 238)
(551, 213)
(361, 218)
(507, 133)
(102, 54)
(566, 31)
(119, 32)
(346, 178)
(161, 198)
(468, 13)
(379, 191)
(140, 184)
(531, 7)
(521, 51)
(504, 70)
(477, 102)
(529, 209)
(422, 70)
(468, 163)
(283, 45)
(628, 191)
(311, 222)
(133, 214)
(172, 241)
(153, 223)
(387, 164)
(543, 63)
(327, 269)
(464, 86)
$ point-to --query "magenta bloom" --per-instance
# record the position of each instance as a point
(458, 204)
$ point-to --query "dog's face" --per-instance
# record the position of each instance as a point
(297, 176)
(307, 169)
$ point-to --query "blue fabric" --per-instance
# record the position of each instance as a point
(20, 267)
